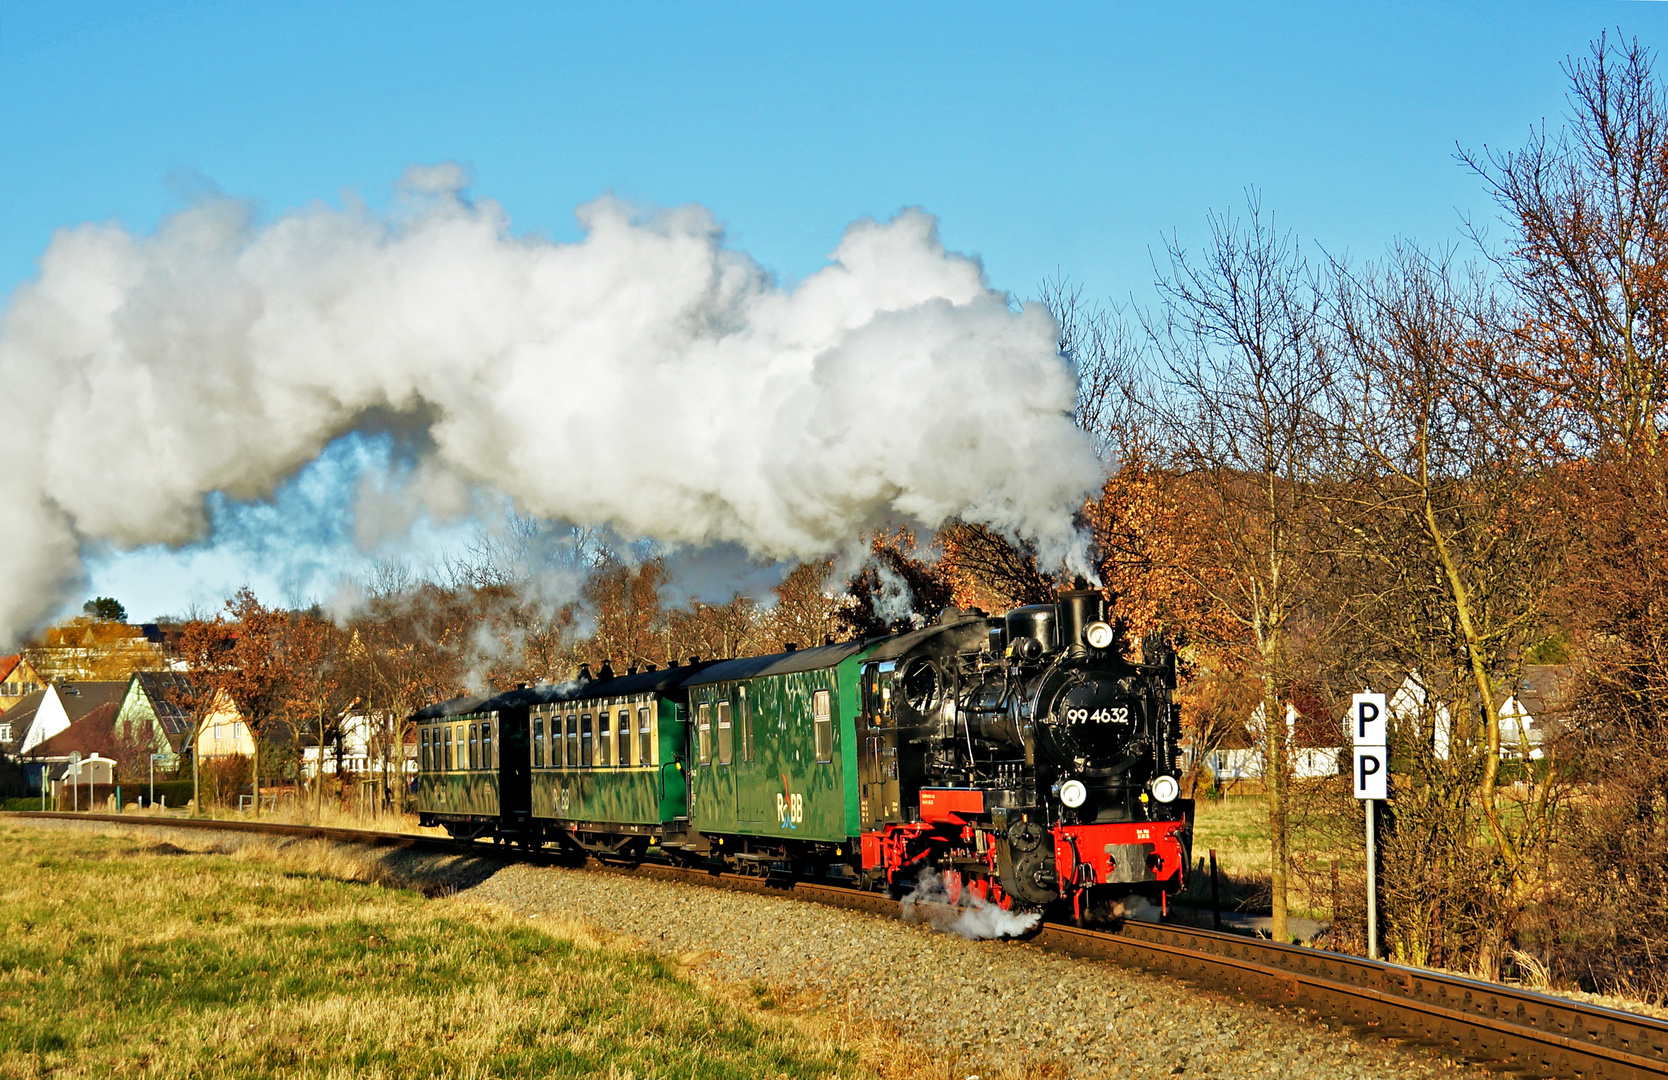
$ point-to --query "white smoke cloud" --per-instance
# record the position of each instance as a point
(645, 378)
(965, 915)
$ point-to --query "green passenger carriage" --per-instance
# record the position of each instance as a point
(608, 761)
(774, 758)
(471, 768)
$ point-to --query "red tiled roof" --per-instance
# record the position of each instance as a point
(8, 664)
(93, 733)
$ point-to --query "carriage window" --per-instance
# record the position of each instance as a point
(573, 741)
(585, 740)
(557, 744)
(474, 746)
(538, 741)
(423, 754)
(645, 739)
(703, 735)
(605, 738)
(744, 720)
(447, 732)
(822, 724)
(622, 730)
(726, 738)
(487, 761)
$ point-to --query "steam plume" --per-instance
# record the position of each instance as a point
(966, 915)
(645, 378)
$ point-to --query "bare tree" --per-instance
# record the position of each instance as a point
(1242, 340)
(1588, 254)
(1443, 488)
(1106, 352)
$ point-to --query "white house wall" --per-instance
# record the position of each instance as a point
(50, 719)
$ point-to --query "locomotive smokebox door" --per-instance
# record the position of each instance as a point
(1094, 718)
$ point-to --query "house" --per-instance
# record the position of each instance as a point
(77, 750)
(92, 733)
(1314, 749)
(155, 711)
(1532, 709)
(18, 721)
(59, 706)
(18, 679)
(362, 748)
(224, 732)
(89, 649)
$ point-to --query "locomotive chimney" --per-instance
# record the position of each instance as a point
(1079, 608)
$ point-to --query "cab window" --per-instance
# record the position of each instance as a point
(822, 724)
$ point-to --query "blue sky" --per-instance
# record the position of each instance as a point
(1047, 138)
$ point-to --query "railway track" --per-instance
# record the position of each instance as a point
(1499, 1026)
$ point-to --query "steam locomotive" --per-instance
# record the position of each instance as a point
(1020, 758)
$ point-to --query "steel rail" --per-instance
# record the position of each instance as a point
(1502, 1026)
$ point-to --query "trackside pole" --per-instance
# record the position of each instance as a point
(1372, 880)
(1371, 769)
(1215, 896)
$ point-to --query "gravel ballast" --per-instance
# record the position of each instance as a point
(1003, 1002)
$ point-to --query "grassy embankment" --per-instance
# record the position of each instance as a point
(130, 957)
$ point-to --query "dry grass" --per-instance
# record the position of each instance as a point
(123, 956)
(331, 815)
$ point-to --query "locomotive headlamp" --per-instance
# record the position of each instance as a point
(1073, 793)
(1165, 788)
(1098, 635)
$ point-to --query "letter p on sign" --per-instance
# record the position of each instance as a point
(1372, 772)
(1370, 723)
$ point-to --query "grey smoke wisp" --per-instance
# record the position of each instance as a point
(645, 378)
(965, 916)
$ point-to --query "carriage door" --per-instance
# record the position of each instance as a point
(877, 765)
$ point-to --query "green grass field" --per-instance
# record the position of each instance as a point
(129, 958)
(1237, 828)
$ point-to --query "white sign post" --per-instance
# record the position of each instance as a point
(1370, 771)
